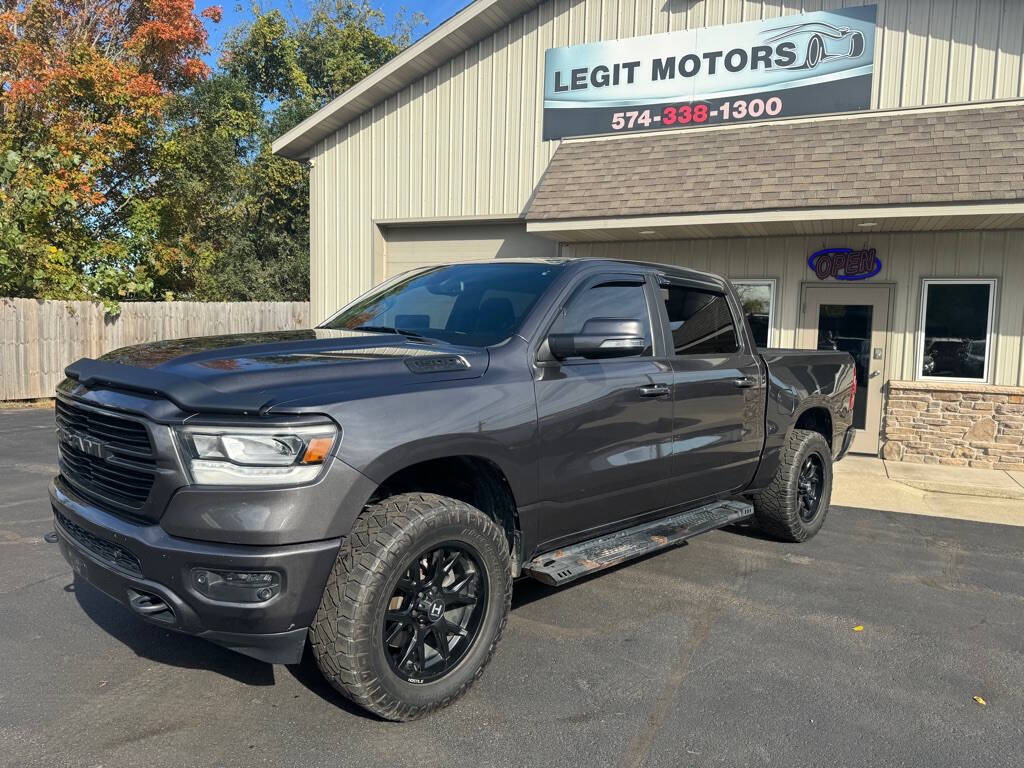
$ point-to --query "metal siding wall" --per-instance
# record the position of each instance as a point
(413, 247)
(906, 260)
(465, 139)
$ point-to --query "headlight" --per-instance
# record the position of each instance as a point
(256, 455)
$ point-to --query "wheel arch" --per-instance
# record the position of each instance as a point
(816, 418)
(474, 479)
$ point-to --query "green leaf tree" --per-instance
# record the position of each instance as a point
(238, 213)
(129, 171)
(82, 90)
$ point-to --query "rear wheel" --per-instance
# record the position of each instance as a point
(856, 45)
(415, 605)
(793, 507)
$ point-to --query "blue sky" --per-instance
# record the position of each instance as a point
(235, 13)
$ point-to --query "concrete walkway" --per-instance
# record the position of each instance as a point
(982, 495)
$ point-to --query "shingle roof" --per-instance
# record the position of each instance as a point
(905, 158)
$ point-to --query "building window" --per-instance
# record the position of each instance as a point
(758, 300)
(956, 325)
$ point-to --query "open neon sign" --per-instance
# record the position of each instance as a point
(845, 263)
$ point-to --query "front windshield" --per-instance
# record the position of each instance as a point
(475, 305)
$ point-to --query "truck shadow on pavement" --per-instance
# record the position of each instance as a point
(179, 650)
(307, 674)
(162, 645)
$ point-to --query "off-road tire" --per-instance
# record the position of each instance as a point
(346, 634)
(776, 508)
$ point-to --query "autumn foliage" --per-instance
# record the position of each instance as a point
(131, 171)
(83, 85)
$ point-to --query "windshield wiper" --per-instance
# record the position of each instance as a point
(389, 329)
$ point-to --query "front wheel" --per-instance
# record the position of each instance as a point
(793, 507)
(815, 53)
(415, 605)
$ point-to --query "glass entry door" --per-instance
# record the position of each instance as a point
(852, 319)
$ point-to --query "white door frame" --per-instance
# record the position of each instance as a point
(881, 296)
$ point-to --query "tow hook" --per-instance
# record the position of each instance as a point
(50, 538)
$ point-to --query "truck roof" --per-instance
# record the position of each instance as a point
(582, 262)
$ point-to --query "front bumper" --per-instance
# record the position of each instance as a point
(146, 569)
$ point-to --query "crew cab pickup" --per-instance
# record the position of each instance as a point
(371, 488)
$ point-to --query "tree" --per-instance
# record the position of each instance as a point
(83, 84)
(129, 170)
(238, 213)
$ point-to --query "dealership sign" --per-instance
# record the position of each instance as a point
(810, 63)
(845, 263)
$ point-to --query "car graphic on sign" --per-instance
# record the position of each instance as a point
(817, 42)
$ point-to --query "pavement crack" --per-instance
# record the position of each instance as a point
(34, 583)
(37, 468)
(640, 745)
(954, 565)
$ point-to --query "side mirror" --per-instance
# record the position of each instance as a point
(601, 337)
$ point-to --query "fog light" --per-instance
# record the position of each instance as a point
(237, 586)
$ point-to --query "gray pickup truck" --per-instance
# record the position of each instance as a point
(372, 487)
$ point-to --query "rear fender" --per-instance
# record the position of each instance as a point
(790, 378)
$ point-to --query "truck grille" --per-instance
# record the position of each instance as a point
(106, 458)
(107, 551)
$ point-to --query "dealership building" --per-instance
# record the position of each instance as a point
(856, 169)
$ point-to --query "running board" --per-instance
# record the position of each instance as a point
(568, 564)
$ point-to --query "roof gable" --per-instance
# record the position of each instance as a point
(463, 30)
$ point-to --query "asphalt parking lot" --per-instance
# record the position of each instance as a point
(730, 651)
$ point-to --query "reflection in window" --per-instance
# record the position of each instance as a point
(471, 304)
(758, 300)
(847, 328)
(957, 328)
(701, 322)
(618, 299)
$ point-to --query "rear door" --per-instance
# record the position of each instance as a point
(718, 391)
(605, 425)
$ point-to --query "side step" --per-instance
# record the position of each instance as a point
(568, 564)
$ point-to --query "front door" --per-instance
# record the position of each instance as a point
(853, 319)
(605, 425)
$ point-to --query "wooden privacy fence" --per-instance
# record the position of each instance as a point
(39, 338)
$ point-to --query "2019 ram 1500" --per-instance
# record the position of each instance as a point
(375, 484)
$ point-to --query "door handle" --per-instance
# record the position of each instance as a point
(745, 382)
(654, 390)
(875, 373)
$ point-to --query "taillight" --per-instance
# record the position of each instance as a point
(853, 390)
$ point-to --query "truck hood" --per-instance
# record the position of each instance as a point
(250, 373)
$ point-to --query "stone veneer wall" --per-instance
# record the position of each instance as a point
(956, 423)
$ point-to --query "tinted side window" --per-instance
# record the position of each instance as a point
(700, 320)
(617, 299)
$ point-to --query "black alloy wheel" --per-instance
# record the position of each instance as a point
(793, 506)
(435, 612)
(810, 483)
(415, 604)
